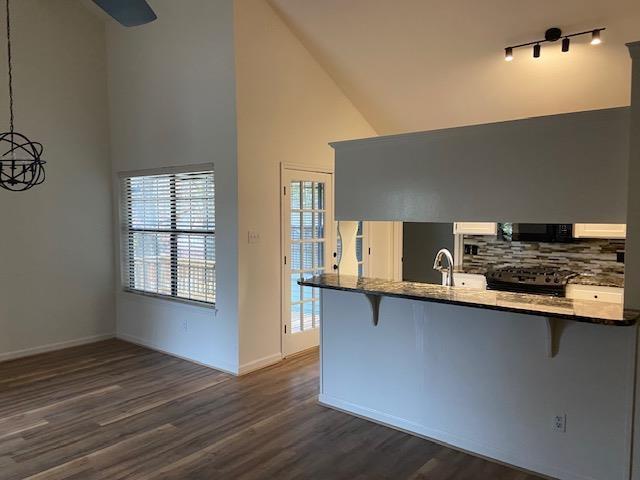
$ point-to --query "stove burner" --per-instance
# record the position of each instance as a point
(539, 280)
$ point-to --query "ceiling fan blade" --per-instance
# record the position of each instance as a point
(129, 13)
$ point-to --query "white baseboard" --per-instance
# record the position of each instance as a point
(259, 363)
(232, 370)
(28, 352)
(444, 438)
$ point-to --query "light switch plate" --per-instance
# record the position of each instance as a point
(254, 237)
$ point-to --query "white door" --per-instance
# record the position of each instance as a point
(308, 240)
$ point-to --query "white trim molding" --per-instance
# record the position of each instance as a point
(51, 347)
(470, 446)
(235, 371)
(201, 167)
(305, 168)
(259, 363)
(230, 369)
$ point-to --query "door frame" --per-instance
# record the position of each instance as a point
(397, 253)
(293, 167)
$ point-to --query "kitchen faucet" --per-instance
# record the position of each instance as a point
(437, 265)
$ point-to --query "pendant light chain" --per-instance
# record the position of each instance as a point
(21, 163)
(10, 68)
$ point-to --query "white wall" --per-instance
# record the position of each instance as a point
(172, 96)
(480, 380)
(56, 252)
(288, 110)
(413, 65)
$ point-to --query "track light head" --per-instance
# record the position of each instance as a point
(595, 37)
(536, 50)
(508, 54)
(565, 44)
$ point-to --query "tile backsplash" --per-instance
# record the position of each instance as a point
(590, 257)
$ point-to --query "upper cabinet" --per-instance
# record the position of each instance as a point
(580, 230)
(475, 228)
(599, 230)
(536, 170)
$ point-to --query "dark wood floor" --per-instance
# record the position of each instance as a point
(113, 410)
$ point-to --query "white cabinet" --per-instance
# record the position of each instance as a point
(468, 280)
(475, 228)
(599, 230)
(596, 293)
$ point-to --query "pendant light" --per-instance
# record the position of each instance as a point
(21, 165)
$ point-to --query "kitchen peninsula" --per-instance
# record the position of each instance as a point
(587, 311)
(484, 371)
(467, 367)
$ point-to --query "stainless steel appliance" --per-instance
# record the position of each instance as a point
(536, 232)
(538, 280)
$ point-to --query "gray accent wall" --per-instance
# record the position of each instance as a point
(632, 278)
(420, 243)
(632, 275)
(555, 169)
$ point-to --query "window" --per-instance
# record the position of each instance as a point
(360, 248)
(168, 235)
(308, 239)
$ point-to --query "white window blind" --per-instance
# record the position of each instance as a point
(168, 235)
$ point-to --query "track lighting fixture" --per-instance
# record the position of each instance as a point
(536, 50)
(553, 35)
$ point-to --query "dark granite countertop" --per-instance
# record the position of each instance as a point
(600, 280)
(542, 305)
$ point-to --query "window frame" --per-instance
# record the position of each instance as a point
(123, 230)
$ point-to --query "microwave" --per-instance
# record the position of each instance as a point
(536, 232)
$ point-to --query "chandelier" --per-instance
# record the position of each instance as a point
(21, 165)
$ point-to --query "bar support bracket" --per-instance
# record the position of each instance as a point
(374, 300)
(554, 332)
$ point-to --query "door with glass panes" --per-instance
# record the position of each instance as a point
(308, 249)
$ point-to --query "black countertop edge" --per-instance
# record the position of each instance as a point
(441, 294)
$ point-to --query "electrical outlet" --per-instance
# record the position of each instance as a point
(560, 423)
(185, 325)
(470, 249)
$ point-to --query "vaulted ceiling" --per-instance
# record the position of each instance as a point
(412, 65)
